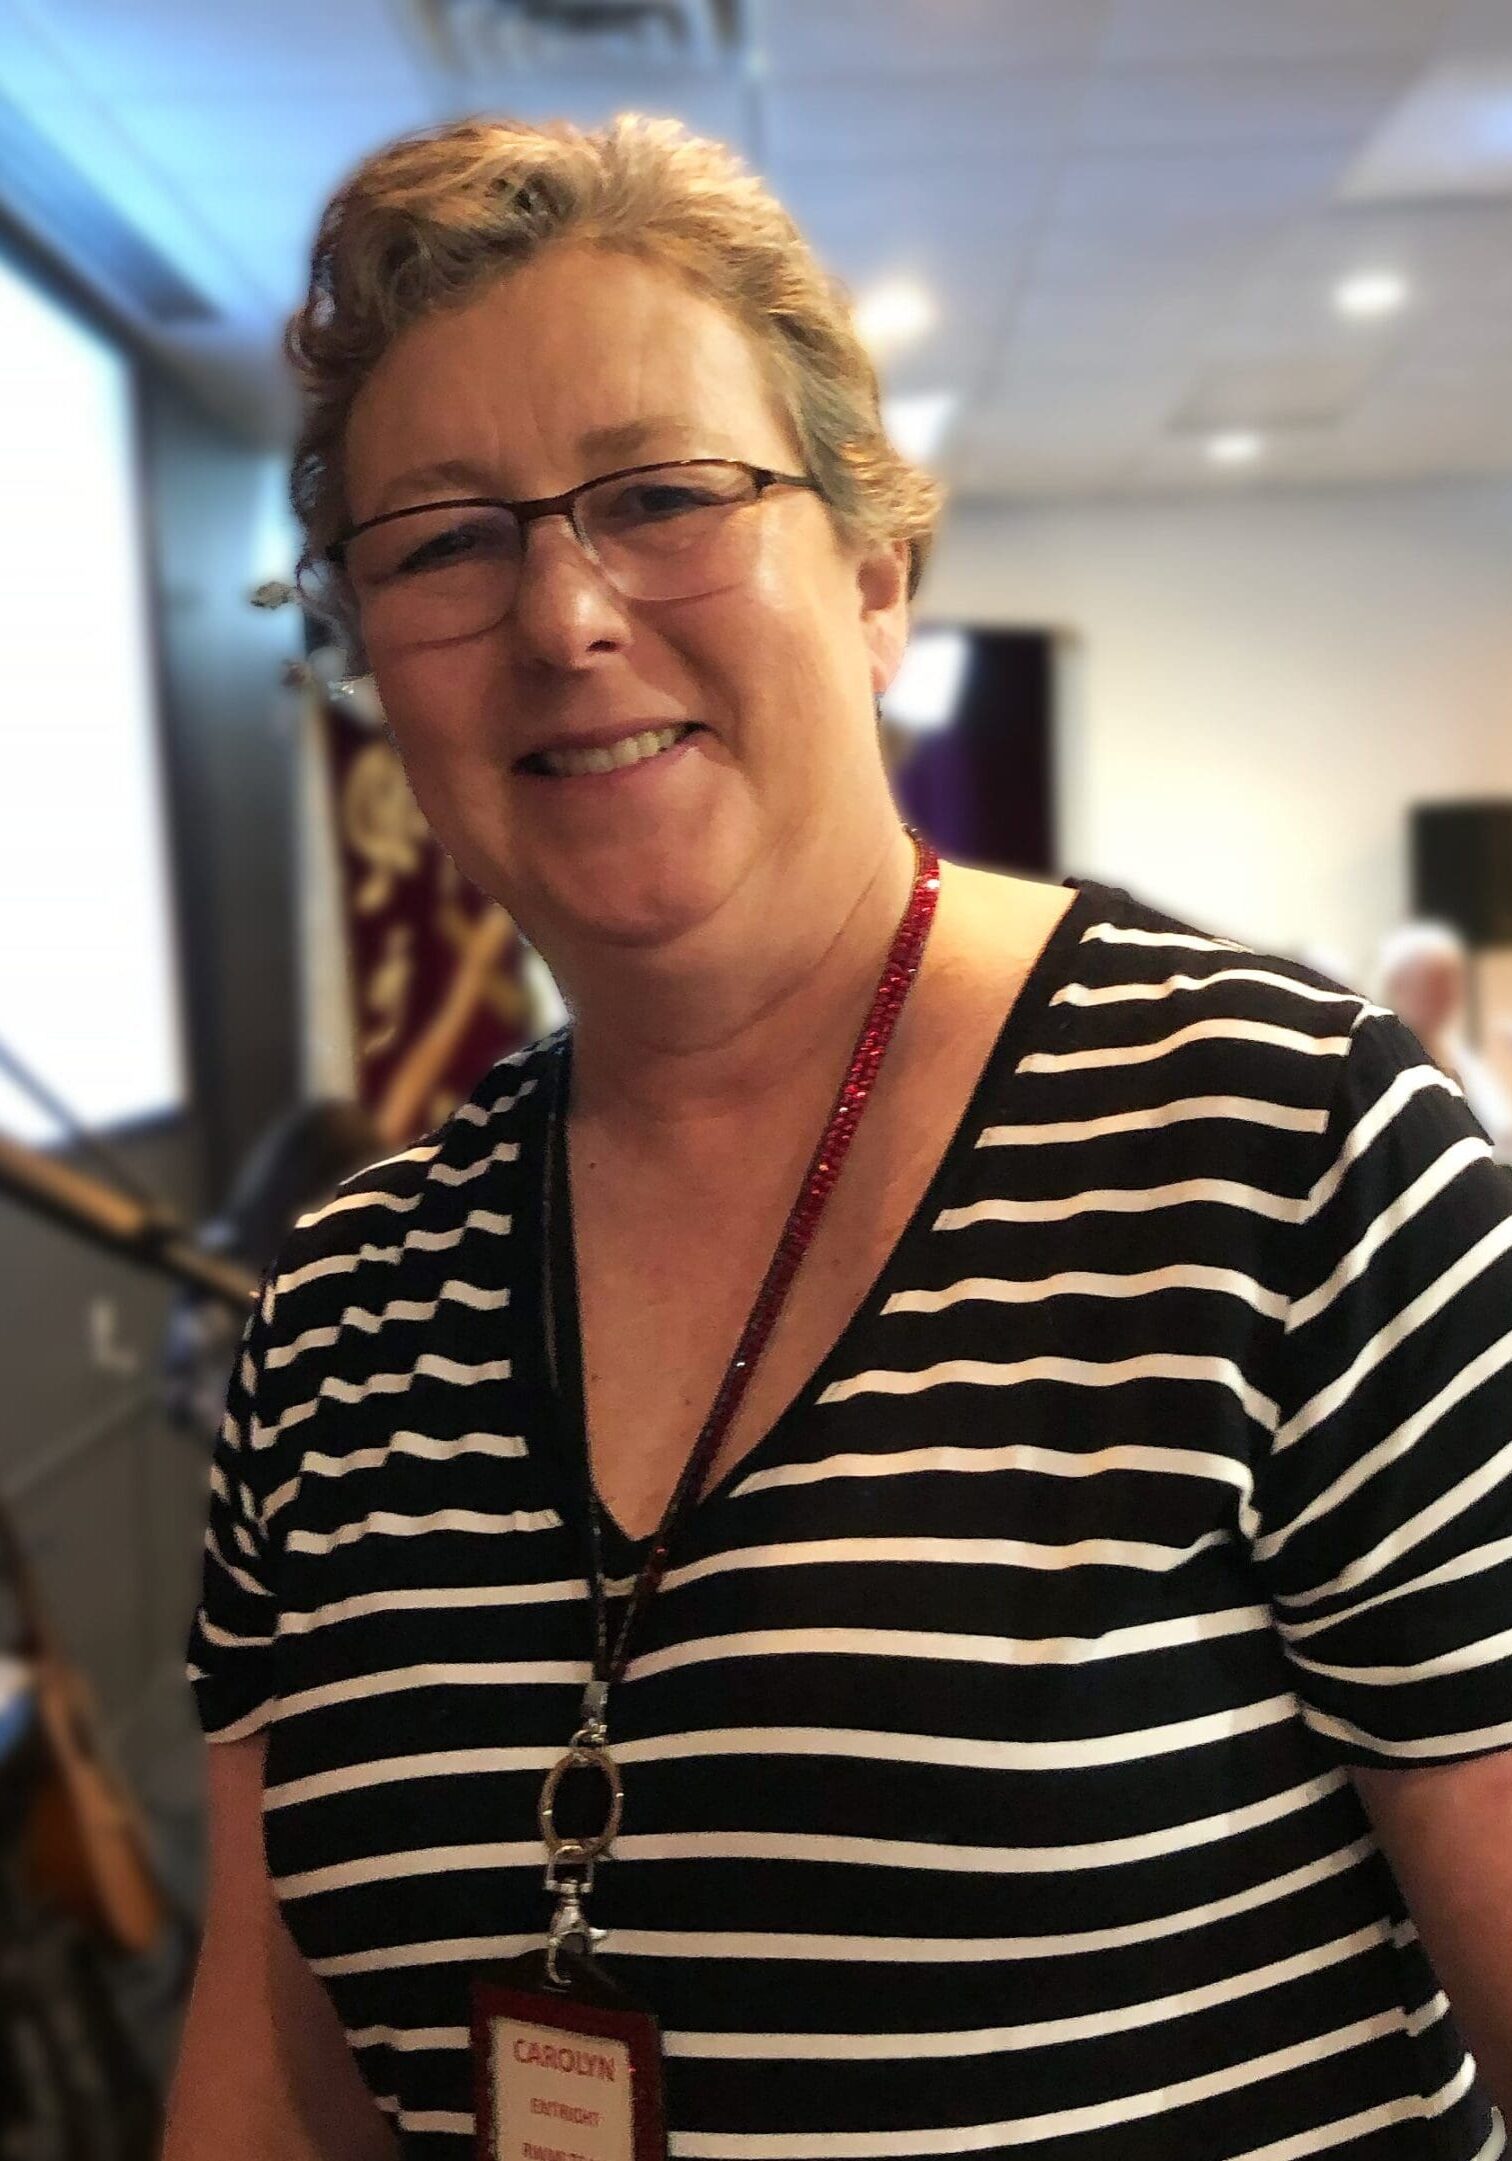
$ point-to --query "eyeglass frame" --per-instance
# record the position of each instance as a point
(530, 508)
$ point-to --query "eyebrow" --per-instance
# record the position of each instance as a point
(451, 473)
(633, 435)
(622, 440)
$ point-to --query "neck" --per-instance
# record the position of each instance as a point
(741, 1013)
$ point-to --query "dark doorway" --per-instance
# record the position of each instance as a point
(982, 788)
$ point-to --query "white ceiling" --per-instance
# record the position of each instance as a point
(1131, 212)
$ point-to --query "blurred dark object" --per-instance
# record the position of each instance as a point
(484, 36)
(1462, 868)
(84, 1848)
(85, 1925)
(73, 2085)
(297, 1163)
(982, 789)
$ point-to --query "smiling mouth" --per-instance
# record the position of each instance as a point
(630, 750)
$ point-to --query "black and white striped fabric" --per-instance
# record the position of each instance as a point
(986, 1750)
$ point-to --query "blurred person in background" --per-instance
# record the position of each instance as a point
(1106, 1499)
(1424, 974)
(297, 1163)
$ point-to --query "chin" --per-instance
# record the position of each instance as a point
(651, 905)
(634, 882)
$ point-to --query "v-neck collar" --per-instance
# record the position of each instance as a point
(563, 1422)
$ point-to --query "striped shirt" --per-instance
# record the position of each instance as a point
(986, 1749)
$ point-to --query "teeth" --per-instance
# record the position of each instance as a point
(631, 750)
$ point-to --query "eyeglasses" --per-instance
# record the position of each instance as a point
(657, 532)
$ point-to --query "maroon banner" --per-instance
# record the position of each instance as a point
(438, 991)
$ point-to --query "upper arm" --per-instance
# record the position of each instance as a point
(1383, 1499)
(264, 2068)
(1446, 1829)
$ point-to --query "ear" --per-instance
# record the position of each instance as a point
(882, 582)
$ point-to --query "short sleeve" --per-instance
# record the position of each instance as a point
(230, 1643)
(1383, 1507)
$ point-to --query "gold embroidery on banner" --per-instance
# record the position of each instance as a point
(382, 824)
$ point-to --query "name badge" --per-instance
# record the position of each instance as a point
(569, 2073)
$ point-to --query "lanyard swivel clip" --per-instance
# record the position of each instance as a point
(569, 1923)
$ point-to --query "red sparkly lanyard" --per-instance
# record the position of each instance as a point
(570, 1860)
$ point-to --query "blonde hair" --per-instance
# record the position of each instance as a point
(427, 222)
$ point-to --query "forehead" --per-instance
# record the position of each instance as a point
(580, 361)
(1422, 970)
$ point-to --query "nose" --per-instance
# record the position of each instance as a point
(565, 611)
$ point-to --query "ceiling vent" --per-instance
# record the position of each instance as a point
(493, 37)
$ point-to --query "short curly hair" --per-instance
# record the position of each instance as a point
(428, 221)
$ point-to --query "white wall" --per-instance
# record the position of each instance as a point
(1256, 688)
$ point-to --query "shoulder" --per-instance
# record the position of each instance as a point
(1144, 1021)
(1130, 957)
(1210, 1014)
(408, 1207)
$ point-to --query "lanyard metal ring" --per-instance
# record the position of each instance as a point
(588, 1755)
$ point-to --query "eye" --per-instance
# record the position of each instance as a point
(465, 541)
(649, 502)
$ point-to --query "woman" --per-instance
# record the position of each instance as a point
(1120, 1495)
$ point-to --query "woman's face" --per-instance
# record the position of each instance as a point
(582, 362)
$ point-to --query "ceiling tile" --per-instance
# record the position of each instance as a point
(865, 221)
(1310, 458)
(996, 467)
(953, 118)
(1304, 388)
(1179, 464)
(1457, 264)
(1457, 350)
(1187, 30)
(1075, 332)
(1228, 105)
(1450, 439)
(1189, 192)
(106, 159)
(1084, 399)
(1449, 138)
(850, 39)
(956, 358)
(1187, 221)
(268, 231)
(31, 70)
(1122, 266)
(298, 145)
(711, 105)
(1087, 430)
(174, 47)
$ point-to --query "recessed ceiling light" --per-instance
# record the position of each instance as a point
(917, 424)
(1370, 293)
(1236, 447)
(893, 315)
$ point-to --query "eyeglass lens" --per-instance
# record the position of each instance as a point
(669, 533)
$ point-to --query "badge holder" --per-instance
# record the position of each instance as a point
(566, 2067)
